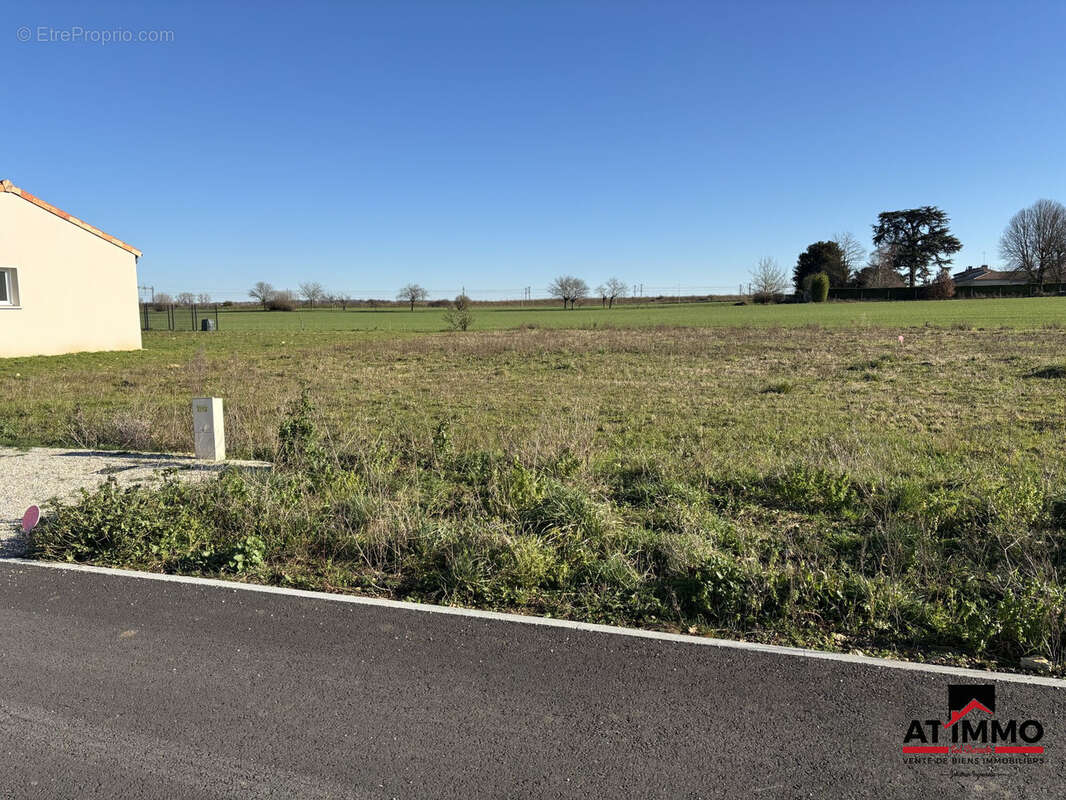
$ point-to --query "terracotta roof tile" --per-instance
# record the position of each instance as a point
(8, 186)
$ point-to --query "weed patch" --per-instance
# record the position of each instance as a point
(780, 387)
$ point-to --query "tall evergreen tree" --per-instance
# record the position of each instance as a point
(918, 238)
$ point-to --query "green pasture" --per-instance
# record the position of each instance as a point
(984, 313)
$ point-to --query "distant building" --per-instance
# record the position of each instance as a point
(984, 276)
(65, 286)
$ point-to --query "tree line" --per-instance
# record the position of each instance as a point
(568, 289)
(285, 299)
(181, 299)
(914, 247)
(911, 247)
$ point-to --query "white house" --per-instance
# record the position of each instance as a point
(65, 286)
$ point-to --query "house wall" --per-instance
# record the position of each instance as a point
(77, 292)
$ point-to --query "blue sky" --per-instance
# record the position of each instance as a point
(496, 145)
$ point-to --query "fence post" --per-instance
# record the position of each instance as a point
(216, 316)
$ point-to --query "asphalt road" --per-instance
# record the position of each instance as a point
(115, 686)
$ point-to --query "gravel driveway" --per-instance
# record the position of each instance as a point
(33, 476)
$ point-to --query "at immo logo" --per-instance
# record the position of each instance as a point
(973, 728)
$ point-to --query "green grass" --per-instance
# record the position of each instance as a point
(818, 484)
(986, 313)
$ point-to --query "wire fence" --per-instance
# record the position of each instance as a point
(174, 317)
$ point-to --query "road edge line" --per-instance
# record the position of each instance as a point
(551, 622)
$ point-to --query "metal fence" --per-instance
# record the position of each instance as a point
(171, 317)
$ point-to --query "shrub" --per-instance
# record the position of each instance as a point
(942, 288)
(819, 287)
(459, 320)
(765, 298)
(780, 387)
(460, 317)
(282, 301)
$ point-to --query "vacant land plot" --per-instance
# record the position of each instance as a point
(819, 485)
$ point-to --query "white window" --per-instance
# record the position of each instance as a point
(9, 286)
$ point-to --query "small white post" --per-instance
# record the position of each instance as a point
(209, 434)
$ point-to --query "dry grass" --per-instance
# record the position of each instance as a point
(856, 398)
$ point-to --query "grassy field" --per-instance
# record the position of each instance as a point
(985, 313)
(804, 478)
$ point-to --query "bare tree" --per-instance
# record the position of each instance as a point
(568, 289)
(882, 270)
(312, 291)
(852, 254)
(185, 298)
(1035, 242)
(412, 293)
(768, 280)
(263, 292)
(162, 299)
(203, 298)
(611, 291)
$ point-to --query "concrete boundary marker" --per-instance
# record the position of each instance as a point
(590, 627)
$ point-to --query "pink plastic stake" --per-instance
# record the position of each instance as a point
(31, 518)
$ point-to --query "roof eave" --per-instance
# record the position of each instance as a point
(8, 186)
